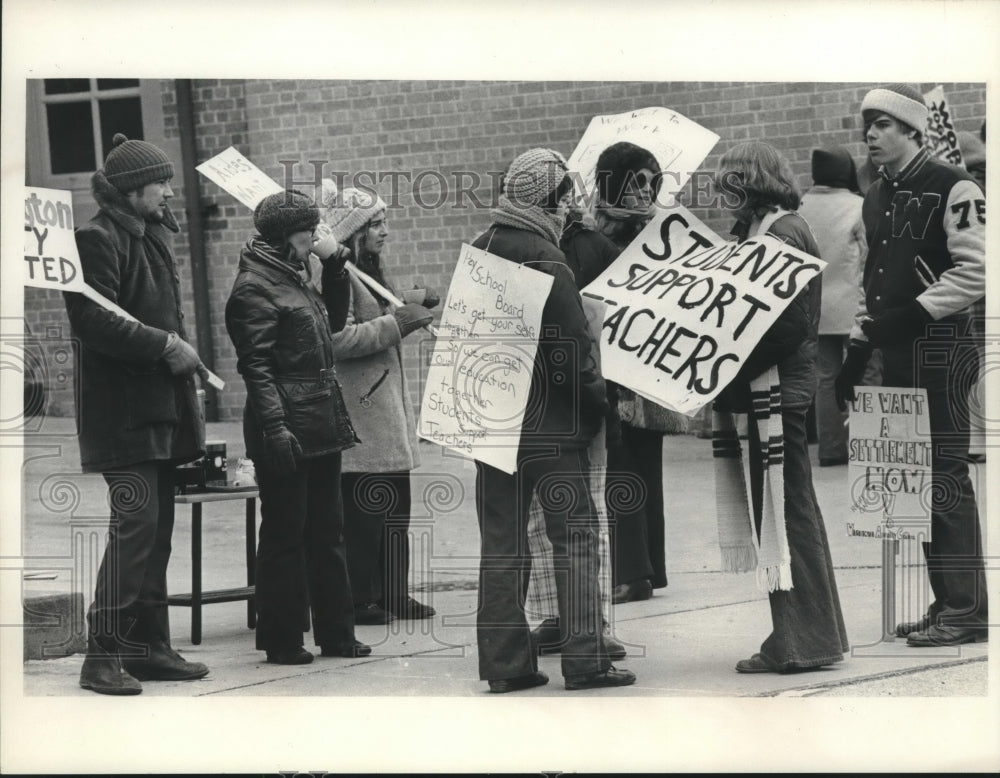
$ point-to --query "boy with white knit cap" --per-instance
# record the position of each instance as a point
(925, 223)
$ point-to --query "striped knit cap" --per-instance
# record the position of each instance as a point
(900, 101)
(131, 164)
(533, 176)
(350, 211)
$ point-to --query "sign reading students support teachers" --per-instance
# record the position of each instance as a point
(685, 308)
(482, 361)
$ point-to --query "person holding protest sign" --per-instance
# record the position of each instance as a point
(376, 473)
(628, 181)
(926, 225)
(565, 406)
(138, 413)
(774, 389)
(832, 208)
(295, 426)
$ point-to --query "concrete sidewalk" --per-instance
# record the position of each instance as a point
(683, 642)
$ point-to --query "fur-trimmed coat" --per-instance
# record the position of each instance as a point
(130, 408)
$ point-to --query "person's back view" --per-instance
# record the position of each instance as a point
(833, 210)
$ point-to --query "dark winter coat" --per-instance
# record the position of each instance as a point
(130, 408)
(567, 399)
(279, 326)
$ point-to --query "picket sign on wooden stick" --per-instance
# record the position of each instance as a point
(51, 259)
(249, 184)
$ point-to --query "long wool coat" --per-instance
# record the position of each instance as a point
(369, 365)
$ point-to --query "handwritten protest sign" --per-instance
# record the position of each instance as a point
(239, 176)
(481, 365)
(685, 308)
(51, 259)
(940, 138)
(678, 144)
(889, 462)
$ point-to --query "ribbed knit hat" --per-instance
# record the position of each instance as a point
(131, 164)
(349, 212)
(900, 101)
(533, 176)
(283, 213)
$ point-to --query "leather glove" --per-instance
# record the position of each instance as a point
(410, 317)
(331, 253)
(896, 325)
(282, 448)
(426, 297)
(180, 355)
(851, 372)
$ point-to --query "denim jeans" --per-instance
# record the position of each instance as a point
(502, 504)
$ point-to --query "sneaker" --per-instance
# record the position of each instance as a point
(371, 613)
(610, 677)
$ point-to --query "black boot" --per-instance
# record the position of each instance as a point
(164, 664)
(103, 672)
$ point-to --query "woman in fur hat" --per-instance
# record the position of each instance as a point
(808, 628)
(295, 428)
(376, 473)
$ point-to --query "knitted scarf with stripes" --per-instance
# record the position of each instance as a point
(743, 549)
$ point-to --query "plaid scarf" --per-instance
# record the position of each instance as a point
(743, 548)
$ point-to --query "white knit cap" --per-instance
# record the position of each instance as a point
(350, 211)
(533, 176)
(900, 101)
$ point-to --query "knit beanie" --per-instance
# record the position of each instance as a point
(283, 213)
(834, 167)
(900, 101)
(973, 150)
(349, 212)
(533, 176)
(131, 164)
(617, 165)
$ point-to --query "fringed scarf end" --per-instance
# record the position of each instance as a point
(775, 578)
(738, 559)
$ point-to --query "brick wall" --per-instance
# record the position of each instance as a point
(392, 128)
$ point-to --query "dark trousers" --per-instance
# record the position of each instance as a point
(947, 366)
(502, 501)
(377, 529)
(625, 496)
(645, 448)
(130, 598)
(808, 626)
(301, 563)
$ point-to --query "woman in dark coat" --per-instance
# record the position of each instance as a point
(759, 187)
(295, 426)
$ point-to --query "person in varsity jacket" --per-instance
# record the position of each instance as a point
(925, 222)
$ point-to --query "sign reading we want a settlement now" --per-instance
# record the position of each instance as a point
(685, 308)
(889, 463)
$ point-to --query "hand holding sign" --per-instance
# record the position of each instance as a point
(51, 259)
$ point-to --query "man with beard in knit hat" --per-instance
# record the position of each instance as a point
(137, 414)
(565, 406)
(925, 222)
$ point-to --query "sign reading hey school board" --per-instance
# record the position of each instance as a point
(685, 308)
(889, 463)
(239, 176)
(940, 138)
(480, 372)
(678, 144)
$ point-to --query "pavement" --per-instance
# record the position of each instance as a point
(683, 642)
